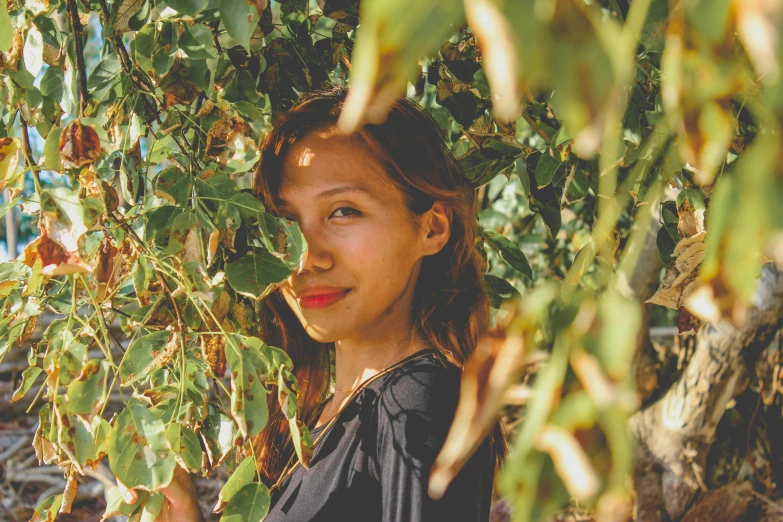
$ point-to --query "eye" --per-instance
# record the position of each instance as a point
(344, 212)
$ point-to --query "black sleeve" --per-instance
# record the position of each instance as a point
(414, 414)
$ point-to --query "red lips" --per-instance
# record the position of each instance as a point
(321, 296)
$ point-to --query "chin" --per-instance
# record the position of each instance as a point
(323, 334)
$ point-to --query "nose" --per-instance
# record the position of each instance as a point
(317, 257)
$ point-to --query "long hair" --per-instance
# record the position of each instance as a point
(450, 304)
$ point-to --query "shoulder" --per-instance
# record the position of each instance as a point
(423, 383)
(415, 406)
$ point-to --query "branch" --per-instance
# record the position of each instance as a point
(28, 153)
(78, 32)
(141, 244)
(136, 79)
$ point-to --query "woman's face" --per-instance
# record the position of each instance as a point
(364, 246)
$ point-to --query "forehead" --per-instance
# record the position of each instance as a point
(324, 159)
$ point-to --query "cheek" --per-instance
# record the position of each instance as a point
(383, 254)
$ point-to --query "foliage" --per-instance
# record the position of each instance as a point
(570, 119)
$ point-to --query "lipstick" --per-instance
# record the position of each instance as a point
(322, 299)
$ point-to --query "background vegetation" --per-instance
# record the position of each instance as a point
(598, 136)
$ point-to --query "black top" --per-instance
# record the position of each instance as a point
(374, 462)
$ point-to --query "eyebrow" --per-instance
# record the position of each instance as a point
(280, 202)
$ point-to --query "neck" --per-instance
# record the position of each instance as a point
(358, 360)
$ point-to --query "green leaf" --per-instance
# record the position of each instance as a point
(181, 226)
(219, 433)
(152, 507)
(85, 393)
(693, 197)
(47, 510)
(138, 455)
(157, 219)
(499, 290)
(53, 82)
(184, 443)
(29, 376)
(667, 239)
(241, 88)
(6, 30)
(91, 441)
(239, 19)
(250, 504)
(228, 220)
(33, 51)
(550, 212)
(241, 477)
(283, 237)
(510, 253)
(250, 208)
(174, 185)
(140, 357)
(216, 188)
(546, 168)
(142, 277)
(293, 11)
(52, 149)
(166, 47)
(116, 506)
(254, 274)
(248, 373)
(104, 73)
(4, 208)
(144, 46)
(197, 42)
(188, 7)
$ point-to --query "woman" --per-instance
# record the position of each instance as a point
(392, 284)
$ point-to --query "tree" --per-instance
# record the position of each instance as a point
(598, 137)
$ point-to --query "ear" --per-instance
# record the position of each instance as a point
(436, 228)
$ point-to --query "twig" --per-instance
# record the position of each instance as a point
(125, 60)
(8, 453)
(214, 26)
(28, 154)
(774, 505)
(166, 286)
(137, 80)
(78, 33)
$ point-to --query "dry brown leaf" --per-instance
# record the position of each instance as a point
(53, 55)
(571, 462)
(9, 160)
(758, 25)
(214, 239)
(220, 306)
(10, 59)
(79, 144)
(55, 258)
(192, 247)
(494, 37)
(127, 9)
(29, 328)
(45, 451)
(69, 495)
(493, 366)
(681, 280)
(177, 87)
(214, 349)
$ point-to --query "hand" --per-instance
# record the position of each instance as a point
(181, 504)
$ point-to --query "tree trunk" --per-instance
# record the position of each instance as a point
(674, 434)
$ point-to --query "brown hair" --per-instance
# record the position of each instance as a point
(450, 305)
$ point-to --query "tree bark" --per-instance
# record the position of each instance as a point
(674, 434)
